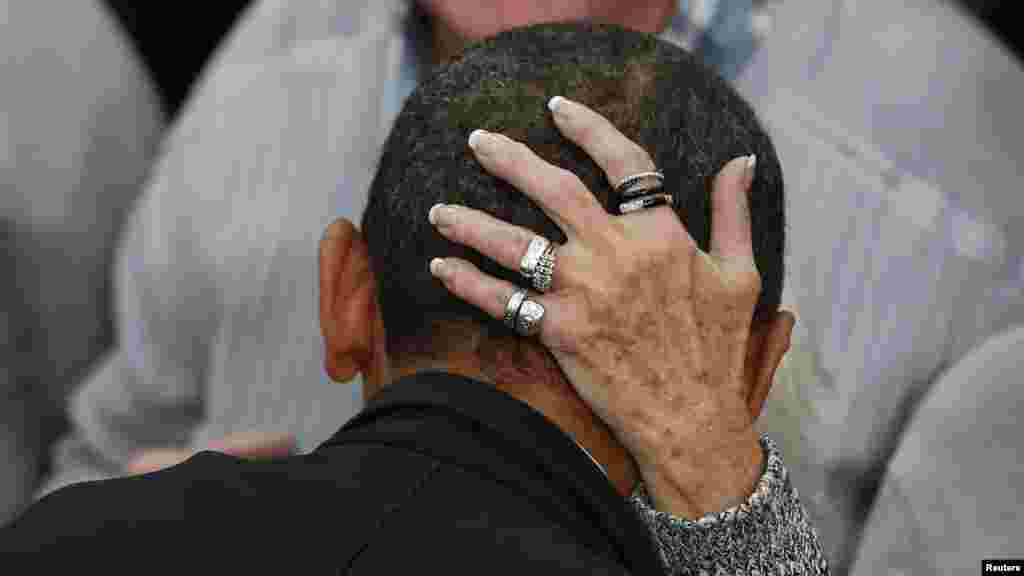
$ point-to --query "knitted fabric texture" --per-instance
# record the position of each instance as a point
(769, 534)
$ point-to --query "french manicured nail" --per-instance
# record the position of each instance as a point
(441, 215)
(438, 268)
(554, 103)
(751, 164)
(432, 214)
(481, 141)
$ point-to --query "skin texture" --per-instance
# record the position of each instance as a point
(658, 370)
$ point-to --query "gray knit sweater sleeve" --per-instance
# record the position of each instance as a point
(769, 534)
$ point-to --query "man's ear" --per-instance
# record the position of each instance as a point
(768, 344)
(347, 301)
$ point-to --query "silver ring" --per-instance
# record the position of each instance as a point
(640, 188)
(529, 317)
(648, 201)
(545, 270)
(528, 263)
(632, 185)
(512, 307)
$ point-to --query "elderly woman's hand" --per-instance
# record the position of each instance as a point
(651, 331)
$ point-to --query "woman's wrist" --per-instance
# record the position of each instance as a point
(711, 482)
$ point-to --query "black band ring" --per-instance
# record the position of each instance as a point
(637, 183)
(643, 203)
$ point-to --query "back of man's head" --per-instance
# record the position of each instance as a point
(688, 119)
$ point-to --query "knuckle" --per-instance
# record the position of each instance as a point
(519, 153)
(583, 331)
(686, 246)
(643, 157)
(748, 276)
(587, 130)
(566, 180)
(505, 153)
(619, 167)
(562, 336)
(556, 338)
(746, 282)
(574, 191)
(453, 229)
(616, 233)
(629, 161)
(525, 236)
(499, 299)
(452, 280)
(456, 275)
(682, 241)
(666, 253)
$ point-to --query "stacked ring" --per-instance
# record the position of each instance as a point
(529, 317)
(522, 314)
(538, 246)
(635, 184)
(637, 192)
(512, 307)
(545, 270)
(643, 202)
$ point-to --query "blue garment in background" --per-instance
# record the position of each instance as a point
(722, 37)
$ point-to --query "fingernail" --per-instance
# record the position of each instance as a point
(442, 215)
(438, 268)
(432, 214)
(751, 164)
(480, 141)
(554, 102)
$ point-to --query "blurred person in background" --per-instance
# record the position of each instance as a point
(80, 122)
(87, 89)
(900, 121)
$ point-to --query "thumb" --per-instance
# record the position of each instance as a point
(774, 342)
(730, 212)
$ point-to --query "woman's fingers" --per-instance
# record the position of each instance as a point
(618, 156)
(467, 282)
(487, 293)
(560, 193)
(504, 243)
(730, 213)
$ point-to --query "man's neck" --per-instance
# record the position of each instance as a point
(558, 401)
(533, 377)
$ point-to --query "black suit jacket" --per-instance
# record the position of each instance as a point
(438, 474)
